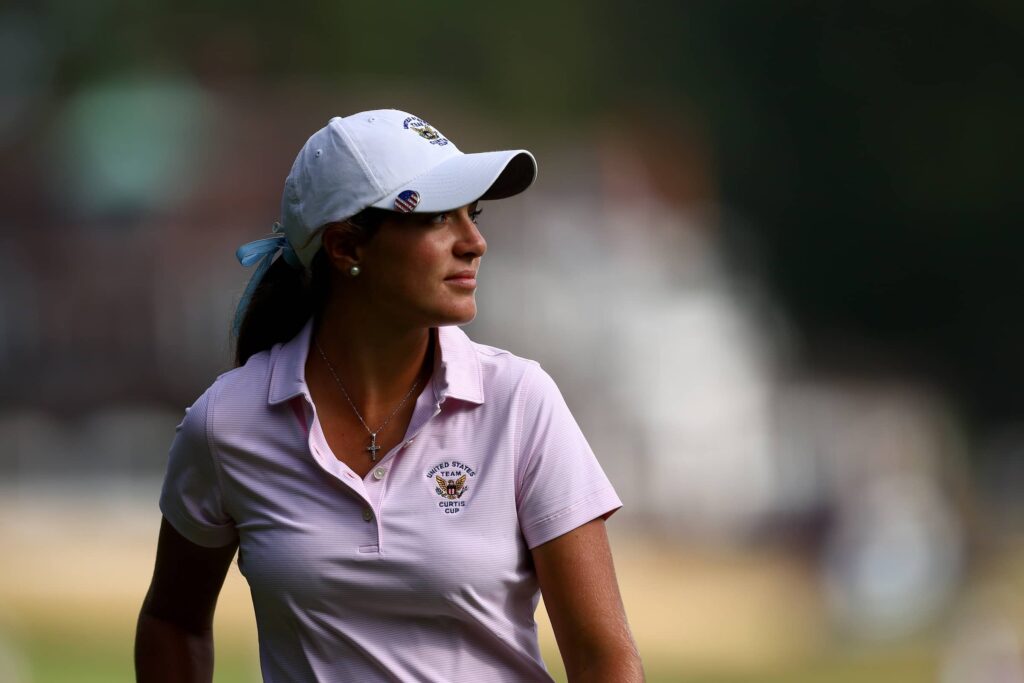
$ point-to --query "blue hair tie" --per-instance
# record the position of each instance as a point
(262, 250)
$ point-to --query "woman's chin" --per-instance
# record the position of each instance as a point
(459, 315)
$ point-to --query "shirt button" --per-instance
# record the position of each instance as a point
(367, 514)
(379, 473)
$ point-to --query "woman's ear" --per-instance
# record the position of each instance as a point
(341, 245)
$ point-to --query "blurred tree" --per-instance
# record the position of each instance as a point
(880, 154)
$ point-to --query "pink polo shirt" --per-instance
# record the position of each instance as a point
(421, 570)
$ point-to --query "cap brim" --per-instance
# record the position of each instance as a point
(465, 178)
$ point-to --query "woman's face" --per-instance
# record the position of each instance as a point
(421, 268)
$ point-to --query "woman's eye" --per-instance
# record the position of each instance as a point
(442, 218)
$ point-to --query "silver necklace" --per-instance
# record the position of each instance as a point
(373, 447)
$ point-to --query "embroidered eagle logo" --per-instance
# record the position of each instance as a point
(452, 488)
(425, 130)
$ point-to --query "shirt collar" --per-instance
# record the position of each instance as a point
(456, 369)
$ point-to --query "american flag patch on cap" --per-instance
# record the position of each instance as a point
(407, 201)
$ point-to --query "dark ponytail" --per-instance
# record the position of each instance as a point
(283, 301)
(286, 297)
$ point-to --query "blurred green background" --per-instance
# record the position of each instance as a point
(771, 259)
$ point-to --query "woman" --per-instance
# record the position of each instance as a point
(398, 495)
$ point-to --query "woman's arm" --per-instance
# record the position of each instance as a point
(577, 580)
(174, 638)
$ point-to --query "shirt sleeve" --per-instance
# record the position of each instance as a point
(192, 498)
(560, 484)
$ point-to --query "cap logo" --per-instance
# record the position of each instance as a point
(426, 131)
(406, 201)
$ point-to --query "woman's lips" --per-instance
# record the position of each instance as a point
(466, 282)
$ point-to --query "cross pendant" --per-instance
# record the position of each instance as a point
(373, 447)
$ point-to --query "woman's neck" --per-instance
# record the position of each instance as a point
(376, 363)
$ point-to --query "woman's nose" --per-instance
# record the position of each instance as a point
(471, 241)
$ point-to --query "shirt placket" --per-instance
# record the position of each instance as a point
(371, 489)
(428, 406)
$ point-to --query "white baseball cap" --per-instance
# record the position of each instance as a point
(389, 159)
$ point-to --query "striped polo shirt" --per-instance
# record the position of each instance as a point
(419, 571)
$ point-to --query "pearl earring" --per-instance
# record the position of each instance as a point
(353, 271)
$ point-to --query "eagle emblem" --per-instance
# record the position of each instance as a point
(451, 489)
(425, 130)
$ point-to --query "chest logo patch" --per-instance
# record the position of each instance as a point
(451, 481)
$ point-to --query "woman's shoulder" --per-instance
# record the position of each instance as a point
(500, 359)
(503, 367)
(255, 371)
(498, 355)
(243, 382)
